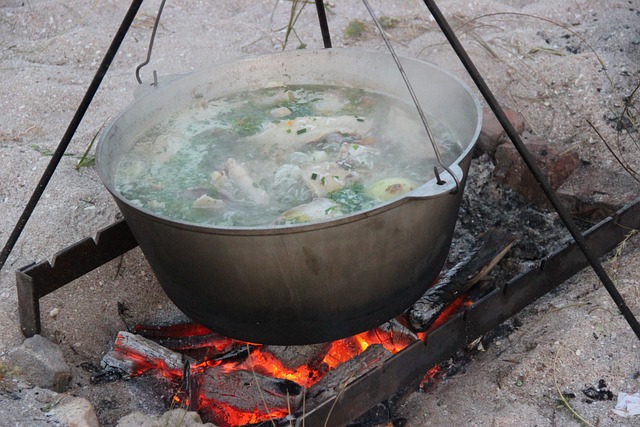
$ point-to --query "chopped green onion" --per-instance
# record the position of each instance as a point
(301, 131)
(314, 176)
(323, 181)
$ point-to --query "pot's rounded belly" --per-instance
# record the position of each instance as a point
(301, 288)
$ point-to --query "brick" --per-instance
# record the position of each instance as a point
(492, 133)
(557, 164)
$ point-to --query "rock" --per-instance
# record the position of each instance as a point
(138, 419)
(556, 163)
(183, 418)
(41, 362)
(175, 417)
(75, 412)
(595, 192)
(492, 134)
(23, 404)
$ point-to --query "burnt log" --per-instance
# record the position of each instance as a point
(133, 355)
(194, 340)
(339, 378)
(392, 334)
(249, 391)
(460, 279)
(295, 356)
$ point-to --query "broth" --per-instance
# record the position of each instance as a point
(281, 155)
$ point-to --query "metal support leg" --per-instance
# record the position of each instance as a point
(37, 280)
(324, 27)
(564, 214)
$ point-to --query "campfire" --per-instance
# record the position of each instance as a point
(236, 383)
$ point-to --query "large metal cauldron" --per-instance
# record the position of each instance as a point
(308, 283)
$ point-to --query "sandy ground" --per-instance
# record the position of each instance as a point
(542, 58)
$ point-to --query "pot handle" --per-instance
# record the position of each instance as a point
(421, 113)
(441, 184)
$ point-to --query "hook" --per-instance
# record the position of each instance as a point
(423, 117)
(150, 48)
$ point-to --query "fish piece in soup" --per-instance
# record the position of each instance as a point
(208, 202)
(235, 176)
(325, 177)
(316, 210)
(294, 133)
(353, 156)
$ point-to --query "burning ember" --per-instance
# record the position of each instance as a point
(234, 383)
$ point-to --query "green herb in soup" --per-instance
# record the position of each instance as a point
(280, 155)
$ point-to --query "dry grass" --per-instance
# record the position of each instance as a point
(562, 398)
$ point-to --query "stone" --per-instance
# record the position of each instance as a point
(595, 192)
(183, 418)
(492, 134)
(175, 417)
(556, 163)
(75, 412)
(23, 404)
(41, 362)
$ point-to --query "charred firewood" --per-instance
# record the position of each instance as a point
(134, 355)
(337, 379)
(393, 334)
(195, 340)
(247, 390)
(460, 279)
(293, 357)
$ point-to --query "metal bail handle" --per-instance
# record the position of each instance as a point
(423, 117)
(151, 40)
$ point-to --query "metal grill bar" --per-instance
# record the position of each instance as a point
(409, 365)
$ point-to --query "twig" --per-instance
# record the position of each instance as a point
(627, 168)
(255, 378)
(563, 399)
(343, 387)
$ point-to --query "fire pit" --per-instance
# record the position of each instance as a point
(396, 372)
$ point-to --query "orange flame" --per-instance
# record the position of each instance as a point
(265, 363)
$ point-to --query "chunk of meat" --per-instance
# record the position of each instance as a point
(300, 131)
(235, 175)
(325, 177)
(315, 210)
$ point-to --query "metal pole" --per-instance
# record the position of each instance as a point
(324, 27)
(564, 214)
(71, 130)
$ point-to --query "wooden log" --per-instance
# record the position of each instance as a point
(196, 341)
(247, 391)
(296, 356)
(460, 279)
(133, 355)
(343, 375)
(392, 334)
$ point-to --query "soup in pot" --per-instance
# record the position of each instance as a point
(281, 155)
